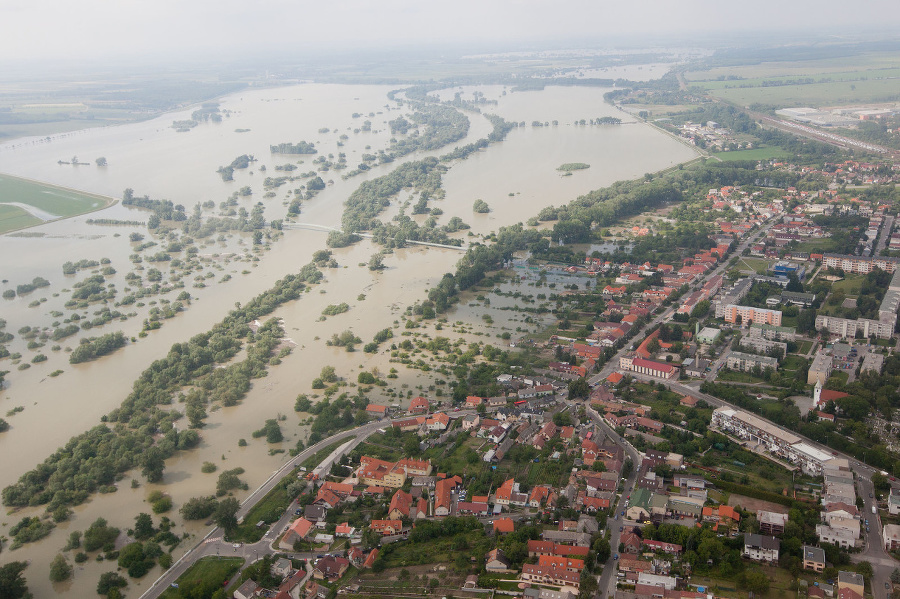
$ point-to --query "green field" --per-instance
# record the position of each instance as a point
(832, 93)
(754, 154)
(13, 217)
(871, 63)
(206, 570)
(49, 200)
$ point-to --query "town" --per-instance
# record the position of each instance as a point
(717, 424)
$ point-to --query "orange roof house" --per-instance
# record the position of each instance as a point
(370, 559)
(298, 530)
(419, 405)
(504, 525)
(386, 527)
(400, 504)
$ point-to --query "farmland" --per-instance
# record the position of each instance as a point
(25, 203)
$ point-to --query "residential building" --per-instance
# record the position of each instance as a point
(841, 537)
(851, 580)
(551, 576)
(387, 527)
(660, 370)
(747, 315)
(496, 561)
(891, 535)
(820, 369)
(813, 558)
(770, 437)
(761, 548)
(894, 502)
(747, 362)
(330, 568)
(771, 523)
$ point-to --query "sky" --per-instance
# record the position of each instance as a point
(99, 30)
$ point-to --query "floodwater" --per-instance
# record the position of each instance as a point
(153, 159)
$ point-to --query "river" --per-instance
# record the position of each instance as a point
(153, 159)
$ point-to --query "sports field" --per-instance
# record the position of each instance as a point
(46, 202)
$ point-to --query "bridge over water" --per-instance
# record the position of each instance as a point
(327, 229)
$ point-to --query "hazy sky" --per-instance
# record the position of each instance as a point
(91, 29)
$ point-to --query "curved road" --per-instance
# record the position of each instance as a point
(214, 544)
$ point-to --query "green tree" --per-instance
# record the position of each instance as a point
(110, 581)
(579, 388)
(154, 463)
(225, 515)
(143, 527)
(60, 569)
(12, 583)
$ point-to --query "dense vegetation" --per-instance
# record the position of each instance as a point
(301, 147)
(94, 460)
(95, 347)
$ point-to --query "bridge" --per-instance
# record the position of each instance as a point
(327, 229)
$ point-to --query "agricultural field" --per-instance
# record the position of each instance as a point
(831, 93)
(824, 67)
(824, 82)
(25, 203)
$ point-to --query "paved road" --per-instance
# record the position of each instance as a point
(607, 581)
(613, 364)
(214, 544)
(882, 563)
(873, 552)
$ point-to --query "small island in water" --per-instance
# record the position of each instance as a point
(573, 166)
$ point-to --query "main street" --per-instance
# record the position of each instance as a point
(213, 544)
(664, 316)
(607, 582)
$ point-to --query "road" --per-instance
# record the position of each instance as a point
(613, 364)
(607, 581)
(214, 544)
(882, 563)
(873, 551)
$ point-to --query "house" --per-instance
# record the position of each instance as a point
(467, 508)
(473, 401)
(344, 530)
(813, 558)
(298, 531)
(247, 590)
(387, 527)
(400, 505)
(504, 492)
(504, 525)
(376, 410)
(470, 421)
(548, 575)
(370, 559)
(356, 556)
(891, 535)
(538, 548)
(631, 543)
(314, 513)
(443, 495)
(330, 568)
(894, 502)
(771, 523)
(438, 422)
(761, 548)
(419, 405)
(655, 546)
(558, 562)
(496, 561)
(282, 567)
(852, 581)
